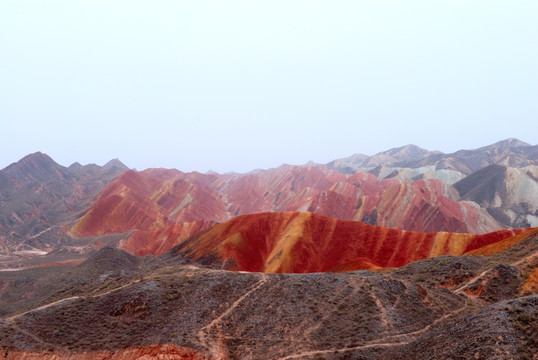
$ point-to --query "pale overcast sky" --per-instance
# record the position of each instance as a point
(239, 85)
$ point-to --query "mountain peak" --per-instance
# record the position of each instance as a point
(404, 154)
(35, 167)
(511, 142)
(37, 157)
(409, 150)
(115, 163)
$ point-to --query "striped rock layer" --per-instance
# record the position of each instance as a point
(302, 242)
(164, 207)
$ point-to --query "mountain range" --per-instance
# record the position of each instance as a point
(391, 256)
(164, 207)
(39, 198)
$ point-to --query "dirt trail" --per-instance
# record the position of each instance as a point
(203, 332)
(42, 307)
(115, 289)
(389, 341)
(528, 257)
(42, 232)
(11, 318)
(308, 331)
(466, 283)
(35, 337)
(385, 318)
(331, 351)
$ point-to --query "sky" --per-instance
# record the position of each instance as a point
(240, 85)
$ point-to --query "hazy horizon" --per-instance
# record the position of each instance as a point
(232, 171)
(242, 85)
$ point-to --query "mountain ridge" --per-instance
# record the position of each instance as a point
(465, 161)
(39, 197)
(71, 287)
(295, 242)
(153, 210)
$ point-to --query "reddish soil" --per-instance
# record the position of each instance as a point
(166, 207)
(168, 352)
(300, 242)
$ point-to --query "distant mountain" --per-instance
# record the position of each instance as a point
(427, 172)
(35, 168)
(38, 197)
(45, 204)
(510, 195)
(425, 206)
(116, 163)
(164, 207)
(390, 157)
(510, 152)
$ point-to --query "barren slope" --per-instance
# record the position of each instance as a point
(38, 198)
(509, 194)
(509, 152)
(297, 242)
(168, 206)
(231, 315)
(119, 305)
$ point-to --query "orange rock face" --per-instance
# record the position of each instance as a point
(426, 206)
(301, 242)
(531, 284)
(500, 244)
(166, 207)
(142, 243)
(161, 352)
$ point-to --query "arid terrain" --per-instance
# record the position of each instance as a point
(486, 306)
(407, 254)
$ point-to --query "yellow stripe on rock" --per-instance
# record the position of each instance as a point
(280, 258)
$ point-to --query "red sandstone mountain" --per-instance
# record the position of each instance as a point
(155, 209)
(167, 206)
(479, 301)
(301, 242)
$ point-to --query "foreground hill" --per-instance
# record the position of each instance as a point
(444, 308)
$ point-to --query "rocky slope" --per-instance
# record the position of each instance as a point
(294, 242)
(38, 198)
(509, 152)
(167, 351)
(510, 195)
(165, 207)
(427, 309)
(153, 210)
